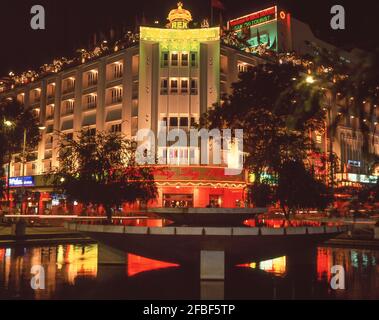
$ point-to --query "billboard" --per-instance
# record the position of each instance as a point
(257, 29)
(15, 182)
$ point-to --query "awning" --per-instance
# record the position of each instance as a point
(89, 120)
(114, 115)
(67, 125)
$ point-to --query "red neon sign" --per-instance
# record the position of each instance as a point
(255, 18)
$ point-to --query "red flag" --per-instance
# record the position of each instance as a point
(218, 4)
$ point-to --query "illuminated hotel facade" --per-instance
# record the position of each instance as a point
(172, 74)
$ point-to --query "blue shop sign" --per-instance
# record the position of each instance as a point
(27, 181)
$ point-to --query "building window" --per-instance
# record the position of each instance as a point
(164, 86)
(243, 67)
(68, 107)
(117, 70)
(184, 86)
(91, 132)
(174, 59)
(51, 90)
(193, 86)
(21, 98)
(165, 56)
(91, 101)
(50, 112)
(116, 128)
(184, 59)
(183, 122)
(92, 78)
(116, 95)
(68, 85)
(173, 122)
(193, 59)
(174, 86)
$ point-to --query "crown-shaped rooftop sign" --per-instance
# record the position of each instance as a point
(179, 18)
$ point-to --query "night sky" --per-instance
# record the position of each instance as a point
(70, 24)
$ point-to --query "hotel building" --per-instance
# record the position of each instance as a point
(172, 74)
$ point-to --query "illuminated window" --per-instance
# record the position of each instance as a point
(117, 70)
(51, 90)
(193, 59)
(68, 85)
(243, 67)
(318, 138)
(164, 86)
(184, 86)
(50, 112)
(92, 78)
(184, 59)
(174, 86)
(21, 98)
(174, 59)
(91, 101)
(116, 95)
(173, 122)
(91, 132)
(115, 128)
(68, 107)
(183, 122)
(165, 56)
(194, 86)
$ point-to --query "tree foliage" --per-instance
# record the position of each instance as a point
(276, 109)
(298, 189)
(102, 169)
(14, 120)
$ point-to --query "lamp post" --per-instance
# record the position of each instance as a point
(10, 124)
(23, 171)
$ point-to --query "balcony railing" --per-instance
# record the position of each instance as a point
(90, 106)
(67, 112)
(114, 100)
(68, 90)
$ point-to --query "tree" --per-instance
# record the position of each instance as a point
(101, 169)
(298, 189)
(277, 109)
(15, 120)
(262, 194)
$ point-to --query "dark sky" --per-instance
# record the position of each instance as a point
(71, 23)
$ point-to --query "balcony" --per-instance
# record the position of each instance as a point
(67, 112)
(90, 106)
(68, 90)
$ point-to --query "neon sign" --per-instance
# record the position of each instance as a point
(27, 181)
(254, 19)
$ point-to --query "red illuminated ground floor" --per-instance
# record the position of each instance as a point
(195, 186)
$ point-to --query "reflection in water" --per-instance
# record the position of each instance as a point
(275, 266)
(62, 264)
(72, 271)
(137, 264)
(283, 223)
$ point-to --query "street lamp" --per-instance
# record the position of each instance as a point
(310, 79)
